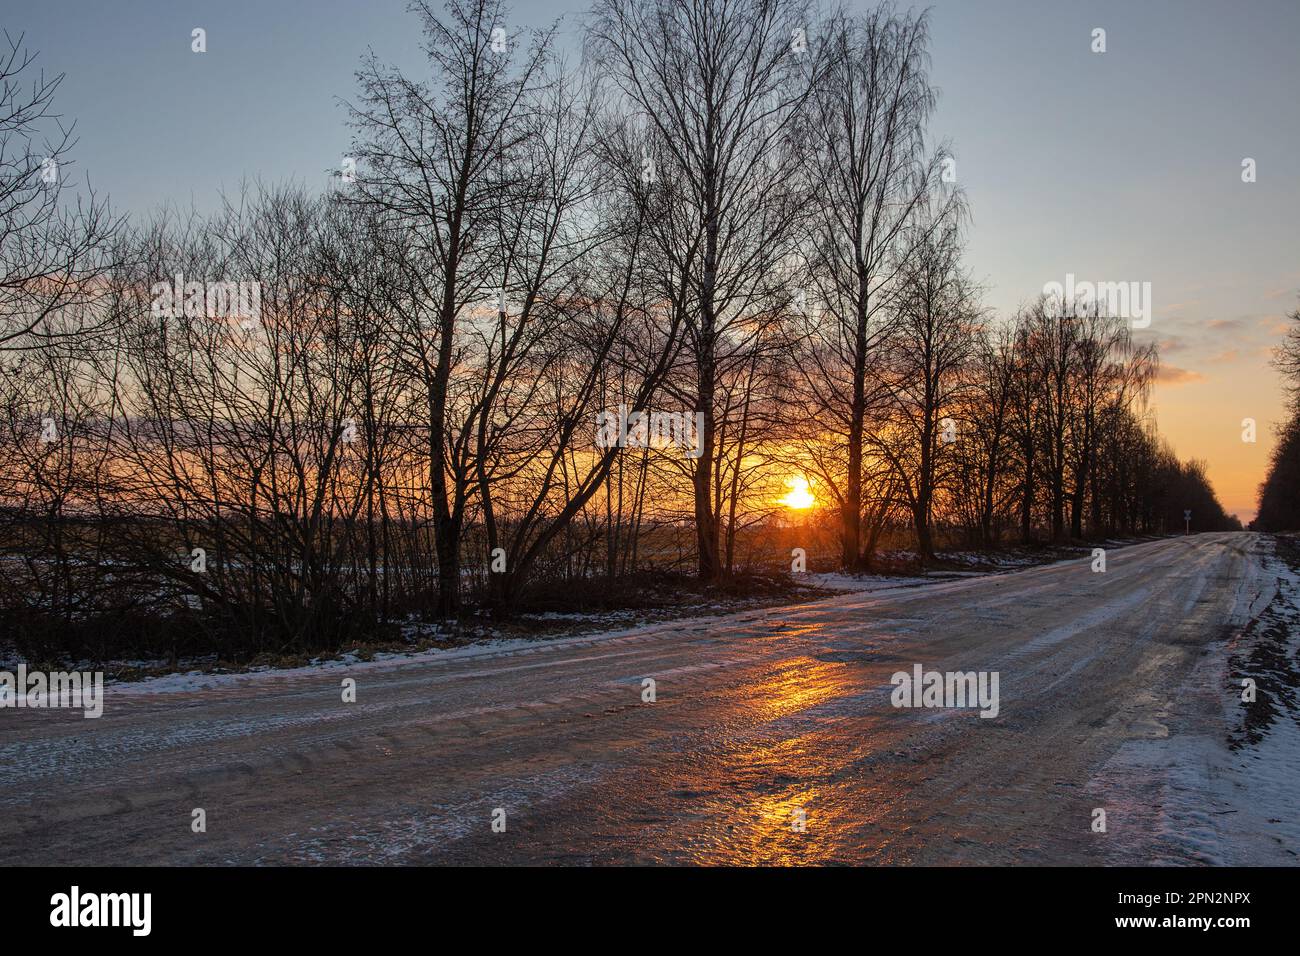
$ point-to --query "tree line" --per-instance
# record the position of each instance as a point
(1279, 493)
(727, 210)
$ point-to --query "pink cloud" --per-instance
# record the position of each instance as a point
(1173, 375)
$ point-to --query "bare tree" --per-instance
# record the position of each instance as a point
(54, 253)
(987, 427)
(575, 257)
(716, 84)
(929, 350)
(870, 177)
(440, 157)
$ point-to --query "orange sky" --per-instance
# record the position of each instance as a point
(1215, 373)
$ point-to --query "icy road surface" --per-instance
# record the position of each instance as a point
(1118, 691)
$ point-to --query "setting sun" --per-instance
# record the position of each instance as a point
(799, 497)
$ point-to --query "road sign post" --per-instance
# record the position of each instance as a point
(1187, 517)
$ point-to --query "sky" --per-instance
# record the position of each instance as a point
(1117, 166)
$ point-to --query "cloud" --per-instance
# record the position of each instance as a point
(1173, 375)
(1230, 324)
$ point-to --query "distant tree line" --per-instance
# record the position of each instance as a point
(1279, 495)
(727, 209)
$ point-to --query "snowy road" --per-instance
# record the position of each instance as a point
(1116, 692)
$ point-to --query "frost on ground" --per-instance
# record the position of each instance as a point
(1218, 784)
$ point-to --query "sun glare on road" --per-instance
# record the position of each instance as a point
(798, 497)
